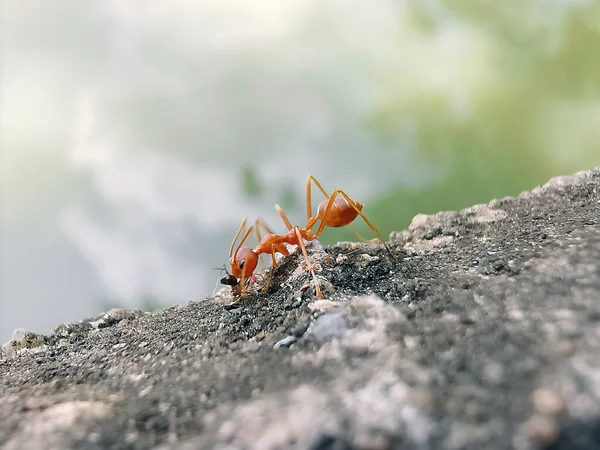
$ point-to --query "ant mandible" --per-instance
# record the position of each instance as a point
(336, 211)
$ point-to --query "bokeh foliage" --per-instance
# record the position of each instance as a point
(517, 103)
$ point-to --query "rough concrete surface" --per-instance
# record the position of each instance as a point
(484, 334)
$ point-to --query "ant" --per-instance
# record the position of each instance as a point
(336, 211)
(229, 279)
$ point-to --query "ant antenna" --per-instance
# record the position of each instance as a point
(228, 278)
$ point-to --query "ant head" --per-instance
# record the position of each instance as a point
(243, 263)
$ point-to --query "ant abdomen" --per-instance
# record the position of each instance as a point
(341, 213)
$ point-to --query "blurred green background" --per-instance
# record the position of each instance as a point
(514, 104)
(134, 140)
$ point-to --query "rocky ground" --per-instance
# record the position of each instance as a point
(485, 333)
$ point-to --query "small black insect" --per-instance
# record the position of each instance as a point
(229, 280)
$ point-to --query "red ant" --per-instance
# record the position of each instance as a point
(338, 210)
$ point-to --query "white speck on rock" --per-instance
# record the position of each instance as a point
(484, 214)
(548, 402)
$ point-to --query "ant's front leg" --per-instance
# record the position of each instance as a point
(275, 249)
(240, 291)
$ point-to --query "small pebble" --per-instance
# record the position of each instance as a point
(566, 347)
(39, 403)
(321, 306)
(493, 372)
(365, 259)
(541, 430)
(341, 259)
(22, 339)
(412, 342)
(285, 342)
(422, 398)
(329, 325)
(548, 402)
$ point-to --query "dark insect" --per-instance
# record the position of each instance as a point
(229, 280)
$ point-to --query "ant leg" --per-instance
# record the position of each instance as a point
(274, 249)
(309, 265)
(287, 222)
(359, 236)
(326, 213)
(358, 211)
(309, 197)
(258, 223)
(240, 231)
(273, 266)
(240, 289)
(244, 239)
(259, 237)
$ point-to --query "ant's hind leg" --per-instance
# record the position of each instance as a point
(358, 211)
(360, 237)
(274, 249)
(309, 182)
(361, 214)
(273, 266)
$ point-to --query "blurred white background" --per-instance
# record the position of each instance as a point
(126, 131)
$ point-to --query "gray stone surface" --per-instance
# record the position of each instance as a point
(484, 334)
